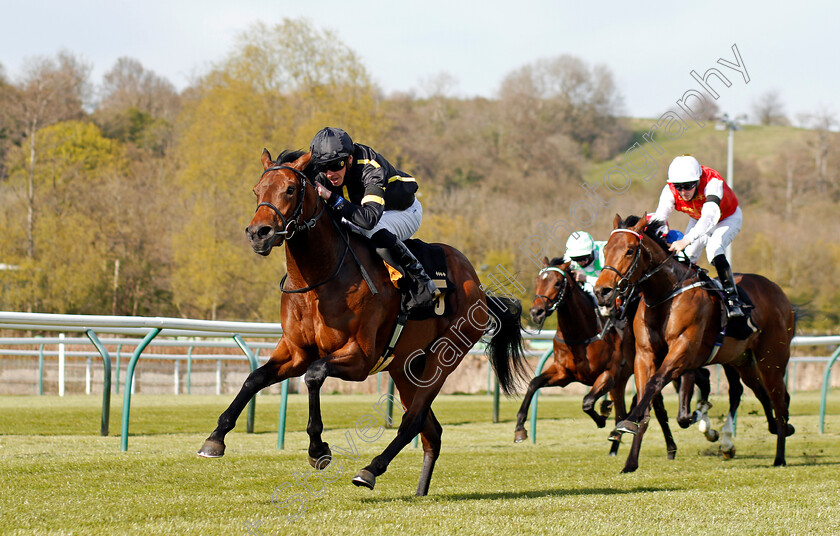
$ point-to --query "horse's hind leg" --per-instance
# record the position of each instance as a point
(736, 391)
(276, 369)
(701, 411)
(431, 450)
(421, 392)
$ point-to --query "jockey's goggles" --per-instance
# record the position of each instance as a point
(685, 186)
(583, 261)
(333, 165)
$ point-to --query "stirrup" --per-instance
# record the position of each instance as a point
(733, 309)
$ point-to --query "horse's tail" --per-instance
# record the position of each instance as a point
(505, 350)
(801, 311)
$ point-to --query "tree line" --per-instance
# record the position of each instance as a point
(130, 197)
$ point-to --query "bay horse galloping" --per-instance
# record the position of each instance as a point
(678, 323)
(335, 326)
(586, 350)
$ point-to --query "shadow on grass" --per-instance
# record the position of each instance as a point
(527, 494)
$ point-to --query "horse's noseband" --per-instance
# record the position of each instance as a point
(292, 225)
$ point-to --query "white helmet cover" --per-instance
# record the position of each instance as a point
(579, 244)
(684, 168)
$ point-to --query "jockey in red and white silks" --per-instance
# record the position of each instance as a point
(700, 192)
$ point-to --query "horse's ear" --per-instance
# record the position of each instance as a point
(565, 265)
(640, 225)
(616, 221)
(545, 261)
(303, 161)
(266, 159)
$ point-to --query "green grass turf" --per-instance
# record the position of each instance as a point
(60, 477)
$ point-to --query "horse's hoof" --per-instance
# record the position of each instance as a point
(364, 478)
(601, 423)
(615, 436)
(212, 449)
(728, 454)
(712, 436)
(323, 461)
(519, 436)
(606, 408)
(790, 430)
(629, 468)
(672, 454)
(628, 427)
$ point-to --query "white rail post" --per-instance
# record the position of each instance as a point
(218, 376)
(61, 366)
(176, 376)
(87, 376)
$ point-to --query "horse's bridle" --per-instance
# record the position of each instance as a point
(552, 304)
(625, 288)
(293, 225)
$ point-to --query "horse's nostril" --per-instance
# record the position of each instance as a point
(264, 232)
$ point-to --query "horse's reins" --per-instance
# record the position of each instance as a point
(624, 279)
(292, 226)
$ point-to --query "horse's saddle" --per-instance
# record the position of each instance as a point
(433, 260)
(737, 328)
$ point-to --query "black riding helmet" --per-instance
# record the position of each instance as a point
(330, 144)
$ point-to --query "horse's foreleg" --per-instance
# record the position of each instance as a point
(519, 433)
(319, 451)
(602, 385)
(276, 369)
(620, 408)
(632, 462)
(662, 418)
(686, 390)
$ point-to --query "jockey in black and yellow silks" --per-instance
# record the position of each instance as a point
(375, 199)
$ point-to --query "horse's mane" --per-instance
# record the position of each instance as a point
(556, 261)
(653, 230)
(288, 156)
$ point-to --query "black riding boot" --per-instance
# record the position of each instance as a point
(733, 302)
(398, 255)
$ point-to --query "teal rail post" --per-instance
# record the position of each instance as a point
(106, 381)
(281, 418)
(390, 404)
(189, 369)
(129, 377)
(117, 375)
(495, 399)
(825, 385)
(41, 370)
(249, 427)
(540, 366)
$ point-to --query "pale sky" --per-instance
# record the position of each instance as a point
(650, 47)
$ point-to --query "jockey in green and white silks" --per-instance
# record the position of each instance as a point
(587, 258)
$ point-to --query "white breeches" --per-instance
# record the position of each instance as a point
(717, 240)
(403, 223)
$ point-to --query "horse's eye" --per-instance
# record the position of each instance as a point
(290, 190)
(630, 251)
